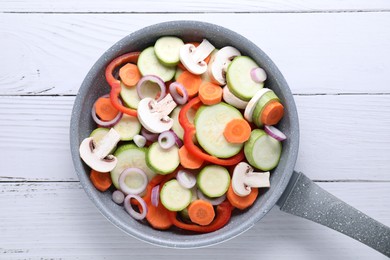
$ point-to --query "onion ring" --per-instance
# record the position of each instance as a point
(105, 123)
(131, 211)
(154, 79)
(180, 99)
(128, 172)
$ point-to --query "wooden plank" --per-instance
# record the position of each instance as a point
(317, 52)
(189, 6)
(342, 137)
(61, 222)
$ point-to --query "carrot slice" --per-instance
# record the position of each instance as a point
(188, 160)
(272, 113)
(201, 212)
(105, 110)
(210, 93)
(191, 82)
(241, 202)
(129, 74)
(158, 217)
(101, 180)
(237, 131)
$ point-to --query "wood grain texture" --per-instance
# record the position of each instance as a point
(316, 52)
(342, 137)
(189, 6)
(61, 222)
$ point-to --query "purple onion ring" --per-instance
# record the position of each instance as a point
(155, 196)
(258, 75)
(275, 133)
(105, 123)
(128, 172)
(152, 137)
(213, 201)
(186, 179)
(131, 211)
(167, 139)
(179, 99)
(152, 78)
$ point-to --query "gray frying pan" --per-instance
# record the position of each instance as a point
(293, 192)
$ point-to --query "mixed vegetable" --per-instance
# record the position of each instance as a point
(186, 134)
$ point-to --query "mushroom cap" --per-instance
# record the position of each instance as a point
(154, 119)
(238, 179)
(194, 66)
(92, 159)
(220, 62)
(244, 178)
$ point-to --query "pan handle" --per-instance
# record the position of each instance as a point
(306, 199)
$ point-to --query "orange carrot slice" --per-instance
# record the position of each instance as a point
(101, 180)
(201, 212)
(105, 110)
(210, 93)
(158, 217)
(237, 131)
(188, 160)
(272, 113)
(191, 82)
(241, 202)
(130, 74)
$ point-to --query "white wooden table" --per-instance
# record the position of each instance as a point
(335, 56)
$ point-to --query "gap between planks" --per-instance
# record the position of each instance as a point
(316, 53)
(58, 220)
(328, 11)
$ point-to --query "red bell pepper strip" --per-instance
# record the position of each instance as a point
(115, 84)
(223, 214)
(189, 133)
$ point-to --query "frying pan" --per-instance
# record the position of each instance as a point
(293, 192)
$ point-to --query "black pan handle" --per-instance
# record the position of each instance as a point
(306, 199)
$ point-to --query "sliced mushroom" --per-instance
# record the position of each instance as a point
(218, 65)
(193, 57)
(153, 115)
(97, 155)
(244, 178)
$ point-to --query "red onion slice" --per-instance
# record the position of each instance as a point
(105, 123)
(132, 172)
(118, 197)
(258, 75)
(167, 139)
(275, 133)
(213, 201)
(155, 196)
(143, 82)
(186, 179)
(131, 211)
(179, 99)
(152, 137)
(179, 142)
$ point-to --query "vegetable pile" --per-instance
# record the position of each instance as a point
(186, 135)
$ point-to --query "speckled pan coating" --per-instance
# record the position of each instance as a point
(306, 199)
(95, 85)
